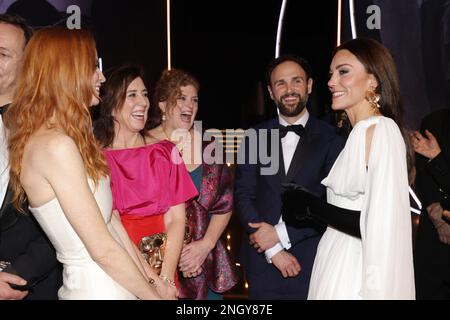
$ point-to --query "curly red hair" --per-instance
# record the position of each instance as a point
(168, 88)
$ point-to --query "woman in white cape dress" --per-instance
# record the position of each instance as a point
(369, 177)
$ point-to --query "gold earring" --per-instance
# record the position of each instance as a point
(372, 97)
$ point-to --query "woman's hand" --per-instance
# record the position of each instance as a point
(193, 256)
(166, 290)
(193, 274)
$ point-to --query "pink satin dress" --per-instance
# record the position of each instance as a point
(145, 182)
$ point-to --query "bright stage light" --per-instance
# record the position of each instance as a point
(169, 62)
(339, 22)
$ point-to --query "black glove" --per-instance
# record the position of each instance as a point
(300, 206)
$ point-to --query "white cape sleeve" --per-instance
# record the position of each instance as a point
(385, 219)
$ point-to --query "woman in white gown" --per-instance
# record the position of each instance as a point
(56, 162)
(370, 177)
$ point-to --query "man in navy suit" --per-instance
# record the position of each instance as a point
(294, 147)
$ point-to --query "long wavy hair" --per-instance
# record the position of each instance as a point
(55, 90)
(114, 93)
(378, 61)
(168, 88)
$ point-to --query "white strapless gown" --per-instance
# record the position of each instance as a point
(82, 277)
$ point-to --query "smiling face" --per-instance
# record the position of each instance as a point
(182, 115)
(349, 82)
(289, 89)
(97, 79)
(132, 115)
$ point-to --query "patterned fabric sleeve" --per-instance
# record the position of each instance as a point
(224, 198)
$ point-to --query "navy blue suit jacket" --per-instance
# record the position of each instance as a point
(257, 197)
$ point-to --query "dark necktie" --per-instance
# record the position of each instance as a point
(296, 128)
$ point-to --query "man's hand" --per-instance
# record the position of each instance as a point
(264, 238)
(8, 293)
(446, 214)
(287, 264)
(435, 212)
(444, 233)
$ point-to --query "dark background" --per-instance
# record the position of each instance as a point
(227, 45)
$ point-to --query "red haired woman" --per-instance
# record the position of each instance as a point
(57, 164)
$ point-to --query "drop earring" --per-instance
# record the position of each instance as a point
(373, 98)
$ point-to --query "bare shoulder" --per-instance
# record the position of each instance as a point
(55, 145)
(47, 154)
(49, 149)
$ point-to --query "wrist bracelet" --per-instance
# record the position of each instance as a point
(164, 278)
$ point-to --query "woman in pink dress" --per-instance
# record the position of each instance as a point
(149, 181)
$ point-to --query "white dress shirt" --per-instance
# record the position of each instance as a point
(4, 165)
(289, 144)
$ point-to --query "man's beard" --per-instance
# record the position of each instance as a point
(289, 111)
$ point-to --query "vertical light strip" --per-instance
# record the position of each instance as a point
(416, 199)
(280, 28)
(352, 18)
(169, 57)
(339, 23)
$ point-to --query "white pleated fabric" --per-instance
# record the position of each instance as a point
(4, 162)
(380, 265)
